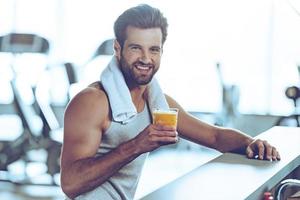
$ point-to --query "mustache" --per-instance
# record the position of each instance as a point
(143, 64)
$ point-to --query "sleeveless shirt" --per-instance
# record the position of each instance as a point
(122, 185)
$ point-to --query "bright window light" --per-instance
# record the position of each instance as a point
(256, 43)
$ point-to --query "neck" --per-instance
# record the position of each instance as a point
(138, 96)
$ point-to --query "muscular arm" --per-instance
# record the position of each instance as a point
(83, 125)
(221, 139)
(85, 120)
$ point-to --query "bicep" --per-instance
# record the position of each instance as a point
(82, 131)
(192, 128)
(81, 139)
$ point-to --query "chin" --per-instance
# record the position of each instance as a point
(143, 83)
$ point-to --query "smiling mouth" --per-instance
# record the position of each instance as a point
(144, 68)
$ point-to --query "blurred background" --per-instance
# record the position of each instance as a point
(231, 63)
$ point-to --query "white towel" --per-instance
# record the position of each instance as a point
(123, 109)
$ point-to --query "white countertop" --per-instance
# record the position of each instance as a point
(233, 176)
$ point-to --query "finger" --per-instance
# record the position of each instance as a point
(268, 150)
(165, 133)
(166, 140)
(276, 155)
(249, 152)
(261, 149)
(160, 127)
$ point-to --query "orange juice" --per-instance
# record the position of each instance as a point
(165, 117)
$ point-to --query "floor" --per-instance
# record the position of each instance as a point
(167, 164)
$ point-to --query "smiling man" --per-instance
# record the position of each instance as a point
(140, 58)
(106, 141)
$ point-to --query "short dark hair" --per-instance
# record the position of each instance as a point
(141, 16)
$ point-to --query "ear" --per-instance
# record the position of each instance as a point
(118, 49)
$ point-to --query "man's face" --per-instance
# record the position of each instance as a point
(140, 56)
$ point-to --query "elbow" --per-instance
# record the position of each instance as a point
(69, 188)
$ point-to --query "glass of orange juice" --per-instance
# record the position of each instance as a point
(166, 117)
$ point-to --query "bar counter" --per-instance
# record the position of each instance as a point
(235, 177)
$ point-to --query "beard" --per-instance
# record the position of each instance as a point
(133, 73)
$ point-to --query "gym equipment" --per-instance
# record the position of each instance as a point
(230, 101)
(280, 190)
(31, 139)
(293, 93)
(105, 48)
(93, 67)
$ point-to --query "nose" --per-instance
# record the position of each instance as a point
(145, 57)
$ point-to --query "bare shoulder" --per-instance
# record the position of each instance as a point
(84, 122)
(90, 104)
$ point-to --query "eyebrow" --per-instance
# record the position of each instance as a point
(134, 44)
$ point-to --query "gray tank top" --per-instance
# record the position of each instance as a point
(122, 185)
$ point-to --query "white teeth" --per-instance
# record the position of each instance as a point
(142, 67)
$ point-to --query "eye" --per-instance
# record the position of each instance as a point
(155, 50)
(135, 48)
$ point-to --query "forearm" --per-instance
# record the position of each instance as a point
(86, 174)
(231, 140)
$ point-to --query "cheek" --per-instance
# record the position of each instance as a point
(130, 58)
(157, 60)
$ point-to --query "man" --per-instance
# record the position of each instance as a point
(102, 158)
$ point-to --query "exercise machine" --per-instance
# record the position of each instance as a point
(230, 101)
(18, 44)
(292, 93)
